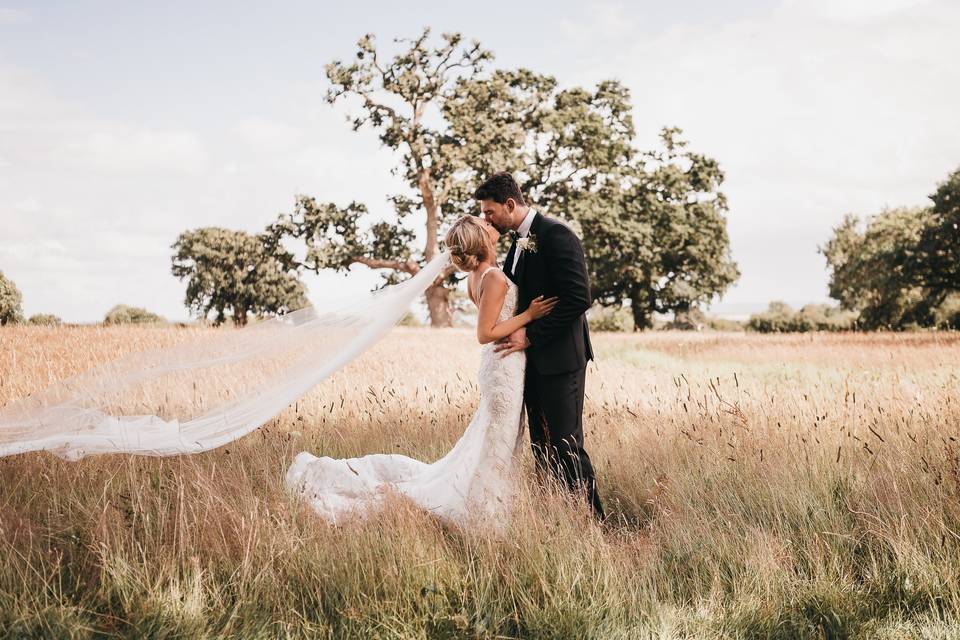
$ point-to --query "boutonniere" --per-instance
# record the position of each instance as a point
(528, 244)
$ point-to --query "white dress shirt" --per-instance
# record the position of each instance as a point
(523, 230)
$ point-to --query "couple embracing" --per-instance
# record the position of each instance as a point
(533, 327)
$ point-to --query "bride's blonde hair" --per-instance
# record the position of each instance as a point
(467, 241)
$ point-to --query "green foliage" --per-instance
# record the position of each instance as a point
(560, 144)
(687, 320)
(47, 319)
(724, 324)
(868, 272)
(695, 319)
(660, 242)
(123, 314)
(609, 318)
(947, 314)
(334, 239)
(934, 263)
(901, 267)
(867, 267)
(653, 223)
(781, 318)
(11, 311)
(233, 274)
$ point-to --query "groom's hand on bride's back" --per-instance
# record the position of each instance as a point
(516, 341)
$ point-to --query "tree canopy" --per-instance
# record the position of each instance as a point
(45, 319)
(935, 261)
(453, 123)
(901, 267)
(233, 274)
(11, 311)
(658, 237)
(125, 314)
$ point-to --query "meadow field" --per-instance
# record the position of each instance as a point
(783, 486)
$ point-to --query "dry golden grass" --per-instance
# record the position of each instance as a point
(759, 486)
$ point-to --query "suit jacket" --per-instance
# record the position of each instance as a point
(560, 341)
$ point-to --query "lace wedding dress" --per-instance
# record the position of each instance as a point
(472, 485)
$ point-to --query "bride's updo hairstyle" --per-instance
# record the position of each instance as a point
(467, 243)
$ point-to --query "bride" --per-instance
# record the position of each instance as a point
(474, 481)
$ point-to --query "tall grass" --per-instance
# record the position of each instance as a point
(758, 487)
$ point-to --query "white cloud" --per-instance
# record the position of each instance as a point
(13, 16)
(90, 206)
(263, 133)
(607, 20)
(813, 110)
(853, 10)
(30, 205)
(121, 149)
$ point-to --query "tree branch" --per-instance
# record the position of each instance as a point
(408, 266)
(446, 273)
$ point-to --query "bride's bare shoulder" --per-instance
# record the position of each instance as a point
(494, 273)
(493, 280)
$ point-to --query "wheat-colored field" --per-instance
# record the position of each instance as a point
(758, 486)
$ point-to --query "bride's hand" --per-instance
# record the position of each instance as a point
(541, 307)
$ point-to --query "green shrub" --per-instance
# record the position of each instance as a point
(45, 319)
(723, 324)
(689, 320)
(602, 318)
(781, 318)
(122, 314)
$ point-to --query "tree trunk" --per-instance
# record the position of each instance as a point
(438, 296)
(642, 310)
(438, 302)
(240, 316)
(433, 211)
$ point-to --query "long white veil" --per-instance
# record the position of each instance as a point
(208, 391)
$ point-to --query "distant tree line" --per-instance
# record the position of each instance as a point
(11, 310)
(780, 317)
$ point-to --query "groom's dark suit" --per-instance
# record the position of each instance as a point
(558, 352)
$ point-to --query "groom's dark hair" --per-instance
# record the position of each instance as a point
(498, 188)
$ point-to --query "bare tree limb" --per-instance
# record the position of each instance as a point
(408, 266)
(446, 273)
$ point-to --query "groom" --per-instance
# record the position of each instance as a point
(546, 257)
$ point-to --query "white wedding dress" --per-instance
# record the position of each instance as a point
(472, 485)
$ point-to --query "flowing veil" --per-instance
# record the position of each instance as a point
(211, 389)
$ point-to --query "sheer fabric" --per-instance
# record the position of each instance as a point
(210, 391)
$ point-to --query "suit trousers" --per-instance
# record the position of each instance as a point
(555, 415)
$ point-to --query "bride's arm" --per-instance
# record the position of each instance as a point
(491, 294)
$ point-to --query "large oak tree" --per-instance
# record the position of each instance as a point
(452, 123)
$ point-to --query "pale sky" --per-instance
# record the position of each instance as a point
(123, 124)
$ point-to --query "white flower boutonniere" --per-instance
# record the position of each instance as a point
(527, 244)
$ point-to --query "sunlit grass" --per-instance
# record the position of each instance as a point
(778, 486)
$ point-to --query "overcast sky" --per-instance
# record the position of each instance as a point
(123, 124)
